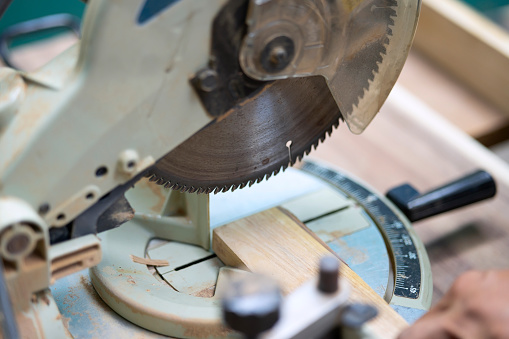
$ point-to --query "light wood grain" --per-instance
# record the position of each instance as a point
(409, 142)
(148, 261)
(468, 45)
(453, 100)
(275, 243)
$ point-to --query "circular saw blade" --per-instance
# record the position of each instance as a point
(259, 137)
(275, 126)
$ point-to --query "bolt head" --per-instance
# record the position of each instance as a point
(207, 80)
(277, 54)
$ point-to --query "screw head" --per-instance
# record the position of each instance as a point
(207, 80)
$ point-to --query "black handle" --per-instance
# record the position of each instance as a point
(462, 192)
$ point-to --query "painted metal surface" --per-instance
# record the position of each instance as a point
(120, 98)
(410, 281)
(363, 249)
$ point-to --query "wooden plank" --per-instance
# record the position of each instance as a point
(148, 261)
(468, 45)
(275, 243)
(409, 142)
(457, 103)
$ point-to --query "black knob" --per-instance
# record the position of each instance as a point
(465, 191)
(328, 278)
(251, 305)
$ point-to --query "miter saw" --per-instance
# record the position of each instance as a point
(181, 99)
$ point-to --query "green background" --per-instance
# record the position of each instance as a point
(22, 10)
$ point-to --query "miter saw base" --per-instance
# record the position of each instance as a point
(364, 228)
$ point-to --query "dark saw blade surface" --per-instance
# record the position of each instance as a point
(251, 142)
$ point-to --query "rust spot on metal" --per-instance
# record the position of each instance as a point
(206, 293)
(156, 190)
(29, 121)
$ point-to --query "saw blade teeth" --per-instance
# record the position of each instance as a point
(329, 131)
(192, 189)
(152, 178)
(167, 184)
(175, 166)
(183, 189)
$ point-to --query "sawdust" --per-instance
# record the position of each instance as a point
(131, 280)
(148, 261)
(206, 293)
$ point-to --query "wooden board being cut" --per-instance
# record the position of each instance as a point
(277, 244)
